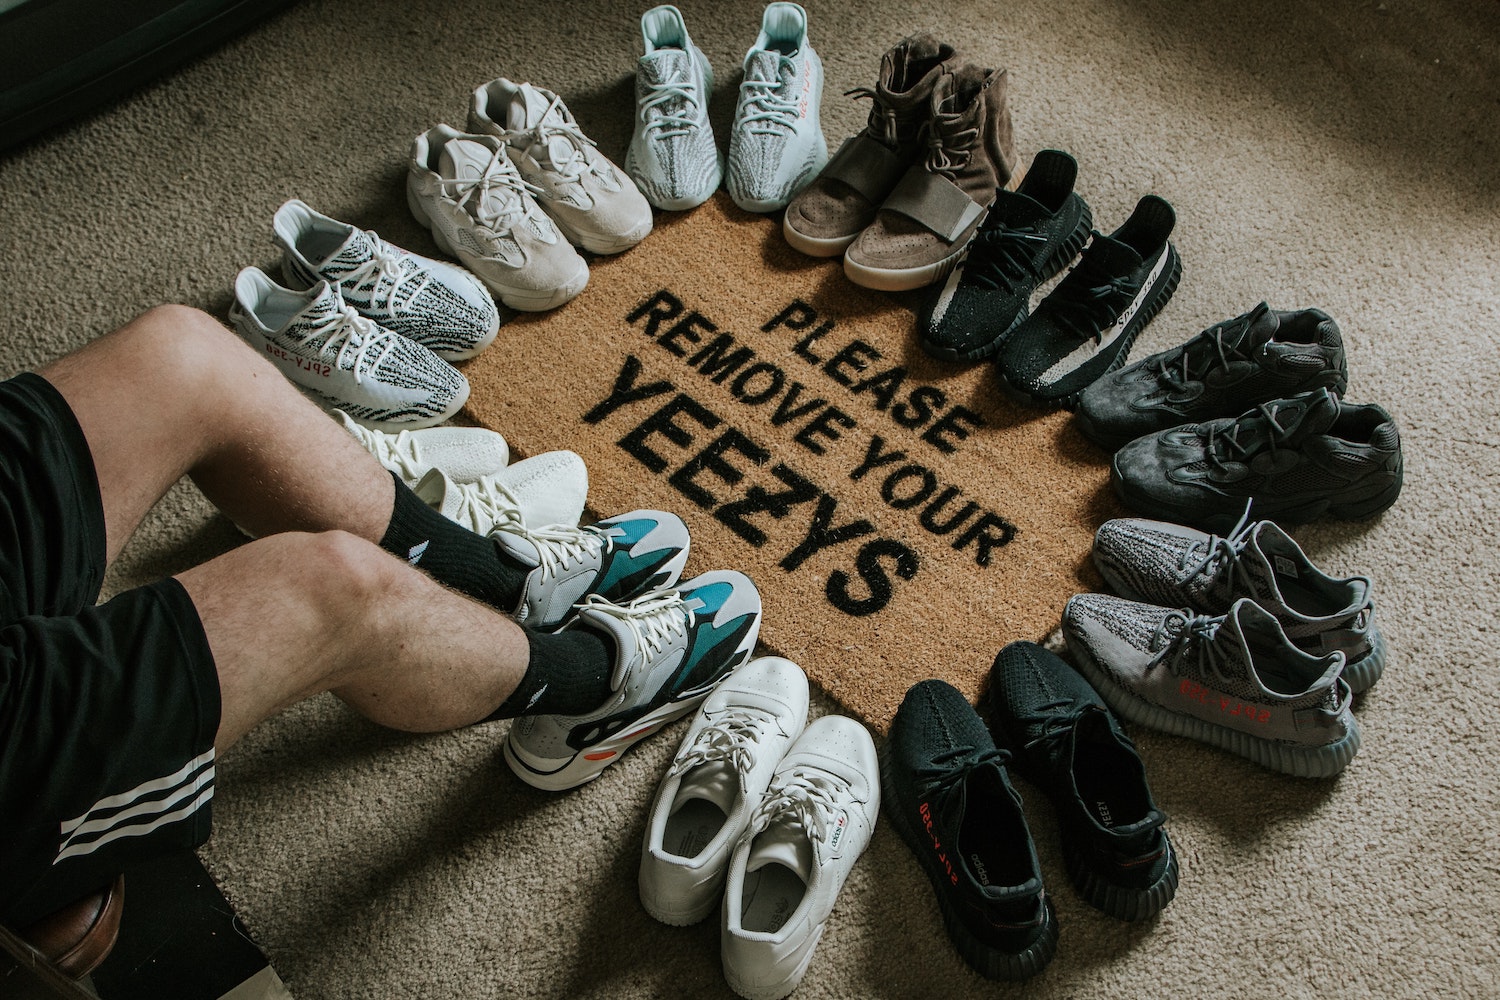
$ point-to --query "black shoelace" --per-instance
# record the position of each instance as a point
(1001, 258)
(1090, 299)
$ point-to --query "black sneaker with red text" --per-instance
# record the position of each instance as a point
(946, 791)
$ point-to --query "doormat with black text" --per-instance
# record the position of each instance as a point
(901, 518)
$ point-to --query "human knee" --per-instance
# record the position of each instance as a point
(342, 562)
(183, 332)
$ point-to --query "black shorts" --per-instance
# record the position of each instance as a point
(107, 713)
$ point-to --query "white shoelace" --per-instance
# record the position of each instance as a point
(488, 506)
(569, 158)
(653, 619)
(806, 797)
(385, 267)
(350, 338)
(678, 92)
(399, 450)
(731, 739)
(778, 115)
(502, 213)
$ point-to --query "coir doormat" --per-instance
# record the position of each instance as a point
(901, 519)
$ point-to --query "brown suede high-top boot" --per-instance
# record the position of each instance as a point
(842, 200)
(926, 221)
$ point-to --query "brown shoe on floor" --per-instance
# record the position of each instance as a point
(923, 226)
(842, 200)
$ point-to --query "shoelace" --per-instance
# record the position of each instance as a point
(882, 117)
(1093, 300)
(488, 506)
(386, 267)
(948, 148)
(1189, 641)
(948, 768)
(807, 797)
(772, 114)
(677, 99)
(357, 344)
(569, 160)
(1001, 258)
(473, 194)
(1195, 359)
(730, 739)
(1226, 551)
(1223, 446)
(400, 450)
(654, 620)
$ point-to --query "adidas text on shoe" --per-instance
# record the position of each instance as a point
(342, 359)
(1085, 326)
(1262, 355)
(828, 214)
(671, 648)
(924, 224)
(947, 793)
(1180, 567)
(1029, 235)
(1292, 460)
(672, 157)
(438, 305)
(1233, 681)
(1066, 742)
(465, 189)
(591, 200)
(464, 453)
(777, 145)
(716, 781)
(786, 871)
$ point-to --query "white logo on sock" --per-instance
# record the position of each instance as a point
(536, 697)
(414, 555)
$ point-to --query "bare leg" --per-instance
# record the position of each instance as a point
(175, 393)
(295, 614)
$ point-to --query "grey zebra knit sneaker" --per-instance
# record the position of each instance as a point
(1233, 681)
(439, 306)
(1177, 566)
(343, 360)
(672, 157)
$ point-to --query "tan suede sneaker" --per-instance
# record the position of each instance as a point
(842, 200)
(924, 224)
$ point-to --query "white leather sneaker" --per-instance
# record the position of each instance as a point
(590, 199)
(464, 188)
(716, 781)
(786, 872)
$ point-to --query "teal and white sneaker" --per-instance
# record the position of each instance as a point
(672, 156)
(777, 146)
(671, 648)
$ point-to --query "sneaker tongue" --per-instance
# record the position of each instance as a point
(350, 254)
(325, 302)
(764, 65)
(1114, 256)
(625, 644)
(664, 65)
(467, 159)
(785, 844)
(1260, 326)
(1017, 209)
(530, 108)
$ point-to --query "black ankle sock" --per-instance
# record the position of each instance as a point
(450, 553)
(567, 673)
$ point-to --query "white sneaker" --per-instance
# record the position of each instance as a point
(437, 305)
(671, 648)
(672, 156)
(716, 781)
(618, 558)
(465, 189)
(490, 503)
(595, 205)
(342, 359)
(813, 824)
(464, 453)
(777, 146)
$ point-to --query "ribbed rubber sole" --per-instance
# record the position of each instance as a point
(1362, 674)
(1120, 902)
(587, 764)
(1302, 762)
(987, 961)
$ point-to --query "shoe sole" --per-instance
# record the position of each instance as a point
(1157, 301)
(784, 988)
(561, 774)
(903, 279)
(521, 299)
(1120, 902)
(816, 246)
(1068, 249)
(1362, 673)
(603, 244)
(984, 959)
(1092, 431)
(1301, 762)
(683, 918)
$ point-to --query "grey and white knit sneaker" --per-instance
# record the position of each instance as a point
(342, 359)
(1177, 566)
(672, 157)
(1233, 681)
(777, 145)
(438, 305)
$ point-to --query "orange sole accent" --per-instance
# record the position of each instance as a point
(606, 755)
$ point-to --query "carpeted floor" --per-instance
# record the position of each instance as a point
(1340, 155)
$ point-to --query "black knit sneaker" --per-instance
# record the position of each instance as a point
(1030, 235)
(1292, 460)
(1083, 329)
(947, 793)
(1068, 743)
(1262, 355)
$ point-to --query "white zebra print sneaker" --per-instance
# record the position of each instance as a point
(343, 360)
(438, 305)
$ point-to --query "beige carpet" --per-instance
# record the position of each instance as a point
(1340, 155)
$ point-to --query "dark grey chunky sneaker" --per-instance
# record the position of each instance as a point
(1178, 566)
(1067, 743)
(1293, 460)
(947, 793)
(1030, 235)
(1233, 681)
(1256, 357)
(1083, 329)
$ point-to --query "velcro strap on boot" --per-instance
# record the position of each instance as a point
(867, 165)
(935, 202)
